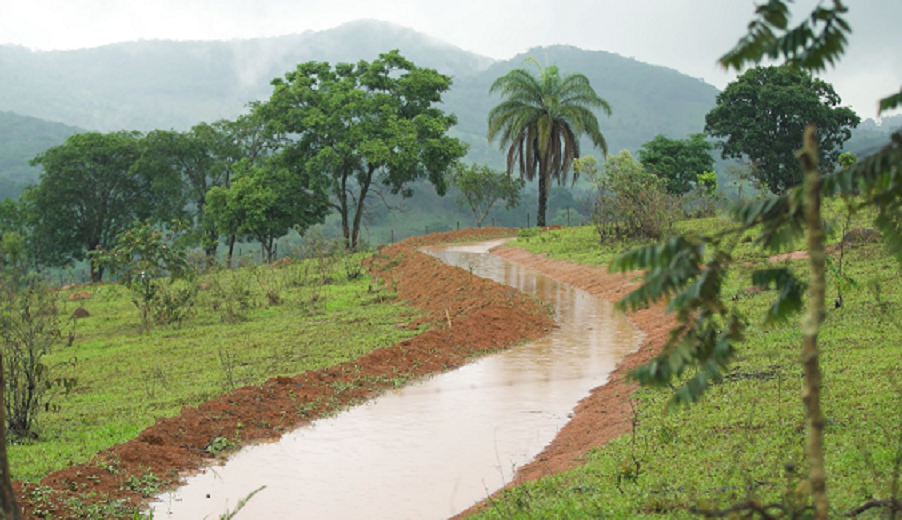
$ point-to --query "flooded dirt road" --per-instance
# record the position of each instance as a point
(431, 449)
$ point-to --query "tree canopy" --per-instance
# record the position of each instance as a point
(200, 159)
(88, 194)
(366, 126)
(265, 202)
(678, 161)
(540, 121)
(762, 115)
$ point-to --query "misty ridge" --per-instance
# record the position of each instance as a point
(147, 85)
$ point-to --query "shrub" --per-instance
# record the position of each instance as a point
(631, 202)
(142, 257)
(29, 329)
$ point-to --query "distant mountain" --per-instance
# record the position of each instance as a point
(22, 138)
(147, 85)
(163, 84)
(870, 137)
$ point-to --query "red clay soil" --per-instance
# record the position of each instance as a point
(606, 413)
(466, 317)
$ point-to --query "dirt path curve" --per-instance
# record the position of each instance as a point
(466, 317)
(605, 414)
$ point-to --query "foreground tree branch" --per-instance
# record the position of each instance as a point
(811, 322)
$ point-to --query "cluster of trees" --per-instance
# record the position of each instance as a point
(332, 138)
(758, 119)
(329, 138)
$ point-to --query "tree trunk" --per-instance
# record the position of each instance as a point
(543, 199)
(358, 215)
(9, 507)
(96, 273)
(231, 251)
(342, 196)
(811, 322)
(210, 247)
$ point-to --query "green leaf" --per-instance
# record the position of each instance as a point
(670, 266)
(789, 297)
(890, 102)
(812, 45)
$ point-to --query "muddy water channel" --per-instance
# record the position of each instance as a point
(431, 449)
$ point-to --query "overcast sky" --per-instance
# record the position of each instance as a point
(687, 35)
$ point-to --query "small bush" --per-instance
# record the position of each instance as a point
(30, 328)
(175, 304)
(231, 293)
(631, 203)
(148, 260)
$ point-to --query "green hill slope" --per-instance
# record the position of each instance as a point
(21, 138)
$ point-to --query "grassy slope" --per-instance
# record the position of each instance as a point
(736, 443)
(127, 379)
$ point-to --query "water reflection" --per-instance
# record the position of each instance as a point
(432, 449)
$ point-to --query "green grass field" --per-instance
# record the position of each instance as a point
(745, 440)
(249, 325)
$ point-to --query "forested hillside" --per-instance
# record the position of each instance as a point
(869, 136)
(21, 138)
(150, 85)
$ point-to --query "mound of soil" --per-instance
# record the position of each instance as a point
(80, 295)
(466, 316)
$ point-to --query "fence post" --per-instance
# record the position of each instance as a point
(458, 225)
(427, 230)
(493, 221)
(393, 236)
(568, 217)
(527, 219)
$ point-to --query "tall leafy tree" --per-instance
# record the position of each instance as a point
(184, 157)
(264, 202)
(365, 126)
(89, 193)
(762, 115)
(678, 161)
(540, 121)
(201, 159)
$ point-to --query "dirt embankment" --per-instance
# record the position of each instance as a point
(466, 317)
(606, 413)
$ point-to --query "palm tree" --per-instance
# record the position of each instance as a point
(540, 121)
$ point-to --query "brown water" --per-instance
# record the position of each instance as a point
(431, 449)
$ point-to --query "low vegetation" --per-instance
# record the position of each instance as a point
(743, 443)
(132, 365)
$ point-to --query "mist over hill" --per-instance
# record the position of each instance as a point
(147, 85)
